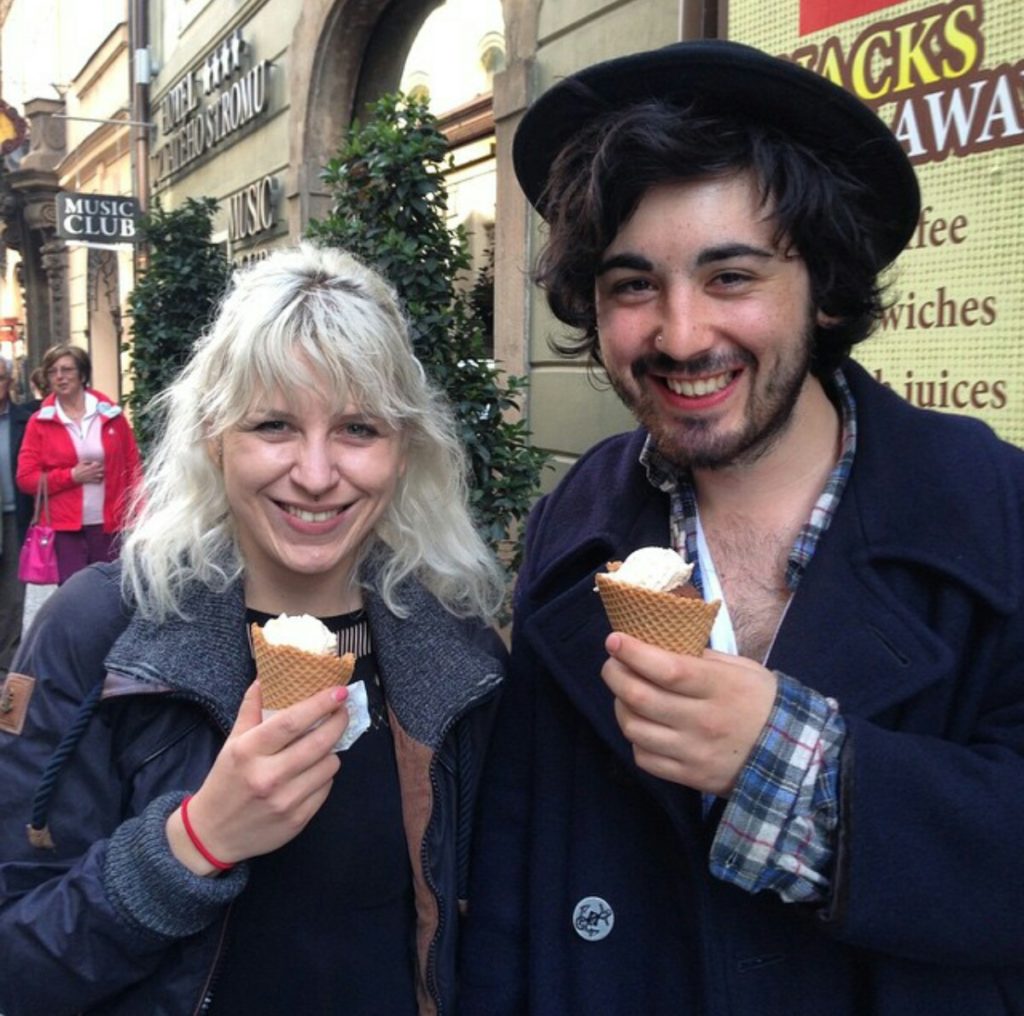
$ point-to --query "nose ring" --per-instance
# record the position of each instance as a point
(659, 339)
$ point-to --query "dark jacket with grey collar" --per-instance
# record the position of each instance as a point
(107, 920)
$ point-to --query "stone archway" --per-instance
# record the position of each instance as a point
(347, 52)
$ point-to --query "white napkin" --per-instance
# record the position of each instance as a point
(358, 716)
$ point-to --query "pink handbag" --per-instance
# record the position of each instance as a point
(38, 561)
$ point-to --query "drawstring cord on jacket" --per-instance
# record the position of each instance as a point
(38, 831)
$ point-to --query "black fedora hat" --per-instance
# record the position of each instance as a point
(731, 79)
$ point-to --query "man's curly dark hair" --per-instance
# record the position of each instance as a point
(820, 210)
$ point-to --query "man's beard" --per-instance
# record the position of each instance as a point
(691, 441)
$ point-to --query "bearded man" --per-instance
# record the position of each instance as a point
(822, 812)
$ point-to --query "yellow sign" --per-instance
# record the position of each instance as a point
(948, 78)
(13, 129)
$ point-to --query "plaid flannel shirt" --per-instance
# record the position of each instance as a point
(778, 828)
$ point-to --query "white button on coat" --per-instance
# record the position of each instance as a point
(593, 919)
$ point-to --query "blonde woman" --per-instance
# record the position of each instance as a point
(202, 858)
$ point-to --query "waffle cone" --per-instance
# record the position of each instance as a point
(681, 624)
(288, 675)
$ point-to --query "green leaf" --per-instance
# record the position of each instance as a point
(172, 302)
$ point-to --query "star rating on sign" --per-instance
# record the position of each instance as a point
(237, 44)
(211, 73)
(223, 61)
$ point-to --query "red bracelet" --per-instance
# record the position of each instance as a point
(196, 841)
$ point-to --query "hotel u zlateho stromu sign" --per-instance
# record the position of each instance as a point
(207, 107)
(97, 218)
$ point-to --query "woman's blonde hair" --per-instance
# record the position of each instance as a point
(306, 318)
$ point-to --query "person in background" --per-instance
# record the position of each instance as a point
(37, 384)
(184, 856)
(81, 441)
(822, 813)
(17, 513)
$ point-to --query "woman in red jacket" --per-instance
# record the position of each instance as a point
(80, 440)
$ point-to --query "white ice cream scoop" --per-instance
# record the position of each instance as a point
(301, 631)
(660, 569)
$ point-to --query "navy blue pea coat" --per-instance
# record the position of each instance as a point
(911, 614)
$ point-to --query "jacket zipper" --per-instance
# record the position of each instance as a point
(206, 995)
(430, 973)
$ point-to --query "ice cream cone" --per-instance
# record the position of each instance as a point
(681, 624)
(288, 675)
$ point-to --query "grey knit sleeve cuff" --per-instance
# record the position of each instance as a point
(151, 889)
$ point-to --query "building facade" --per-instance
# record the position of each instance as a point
(251, 100)
(66, 68)
(247, 100)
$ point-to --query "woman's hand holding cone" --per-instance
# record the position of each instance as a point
(268, 781)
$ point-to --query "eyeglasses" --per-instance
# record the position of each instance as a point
(61, 371)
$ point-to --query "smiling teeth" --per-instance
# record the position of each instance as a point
(698, 387)
(305, 516)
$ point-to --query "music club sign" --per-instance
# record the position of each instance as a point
(97, 218)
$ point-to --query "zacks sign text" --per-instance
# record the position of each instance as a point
(929, 63)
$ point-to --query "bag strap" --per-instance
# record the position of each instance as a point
(42, 493)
